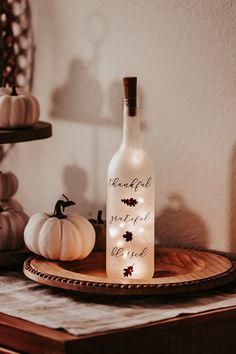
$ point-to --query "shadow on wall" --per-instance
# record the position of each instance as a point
(80, 98)
(76, 183)
(179, 226)
(232, 202)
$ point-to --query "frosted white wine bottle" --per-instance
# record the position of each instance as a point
(130, 205)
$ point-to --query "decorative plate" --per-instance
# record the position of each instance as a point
(177, 270)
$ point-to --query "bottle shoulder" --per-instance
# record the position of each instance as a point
(136, 159)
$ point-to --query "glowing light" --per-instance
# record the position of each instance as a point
(122, 224)
(141, 200)
(119, 243)
(137, 157)
(141, 229)
(125, 254)
(113, 232)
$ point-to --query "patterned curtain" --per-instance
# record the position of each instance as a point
(16, 43)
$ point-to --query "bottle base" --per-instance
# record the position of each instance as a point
(114, 277)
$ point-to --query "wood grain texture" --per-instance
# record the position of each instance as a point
(40, 130)
(28, 337)
(177, 271)
(205, 333)
(7, 351)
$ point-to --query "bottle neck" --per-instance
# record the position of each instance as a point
(131, 127)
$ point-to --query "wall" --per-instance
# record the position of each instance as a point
(184, 54)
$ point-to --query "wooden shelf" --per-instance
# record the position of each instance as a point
(40, 130)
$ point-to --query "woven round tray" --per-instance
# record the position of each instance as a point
(177, 271)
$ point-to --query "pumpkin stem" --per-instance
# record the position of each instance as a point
(13, 88)
(4, 82)
(99, 217)
(60, 207)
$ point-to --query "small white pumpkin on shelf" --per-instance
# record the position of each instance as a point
(18, 108)
(59, 236)
(12, 223)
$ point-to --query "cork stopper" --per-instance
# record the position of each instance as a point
(130, 87)
(130, 94)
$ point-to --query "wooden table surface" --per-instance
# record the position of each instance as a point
(211, 332)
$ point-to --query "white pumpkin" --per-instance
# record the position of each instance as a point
(17, 109)
(4, 91)
(8, 185)
(12, 229)
(62, 237)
